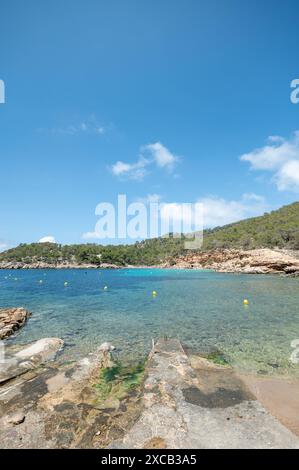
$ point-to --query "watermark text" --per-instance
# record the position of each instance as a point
(140, 221)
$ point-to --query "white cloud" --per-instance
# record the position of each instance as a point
(87, 126)
(3, 247)
(151, 154)
(253, 197)
(134, 171)
(218, 211)
(275, 138)
(161, 155)
(287, 177)
(47, 239)
(281, 157)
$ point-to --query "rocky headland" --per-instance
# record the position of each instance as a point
(260, 261)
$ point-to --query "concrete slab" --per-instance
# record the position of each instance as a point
(200, 408)
(279, 395)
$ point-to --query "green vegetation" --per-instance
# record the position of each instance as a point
(117, 381)
(279, 228)
(218, 358)
(148, 252)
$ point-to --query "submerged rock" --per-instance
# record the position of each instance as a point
(11, 319)
(106, 347)
(106, 358)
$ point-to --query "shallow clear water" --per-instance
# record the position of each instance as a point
(203, 309)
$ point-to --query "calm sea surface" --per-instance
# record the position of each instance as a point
(203, 309)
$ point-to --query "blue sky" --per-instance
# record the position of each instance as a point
(169, 98)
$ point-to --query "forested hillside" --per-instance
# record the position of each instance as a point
(279, 228)
(148, 252)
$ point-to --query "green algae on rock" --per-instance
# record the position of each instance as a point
(119, 380)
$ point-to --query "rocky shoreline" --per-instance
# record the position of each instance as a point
(258, 261)
(62, 265)
(49, 404)
(179, 401)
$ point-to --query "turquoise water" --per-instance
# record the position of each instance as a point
(203, 309)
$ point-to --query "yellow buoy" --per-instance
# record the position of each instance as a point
(154, 293)
(246, 302)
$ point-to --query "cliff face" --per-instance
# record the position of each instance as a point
(261, 261)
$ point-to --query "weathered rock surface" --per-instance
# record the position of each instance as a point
(57, 406)
(187, 402)
(262, 261)
(40, 350)
(11, 319)
(28, 358)
(200, 408)
(16, 418)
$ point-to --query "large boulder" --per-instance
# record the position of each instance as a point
(43, 349)
(11, 319)
(17, 363)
